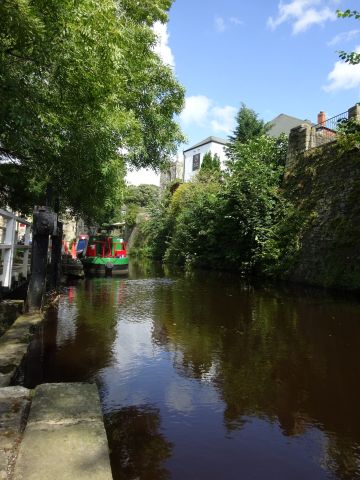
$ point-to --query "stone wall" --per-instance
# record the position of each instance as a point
(9, 311)
(305, 136)
(174, 172)
(324, 184)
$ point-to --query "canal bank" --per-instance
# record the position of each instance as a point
(204, 375)
(64, 436)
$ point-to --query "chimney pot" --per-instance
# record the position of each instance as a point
(321, 117)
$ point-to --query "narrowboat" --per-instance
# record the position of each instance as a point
(103, 255)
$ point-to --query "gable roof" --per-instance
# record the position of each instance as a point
(284, 123)
(206, 141)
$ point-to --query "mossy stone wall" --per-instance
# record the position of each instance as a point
(9, 311)
(324, 183)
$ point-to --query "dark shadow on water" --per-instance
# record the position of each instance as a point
(138, 449)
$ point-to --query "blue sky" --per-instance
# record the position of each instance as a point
(276, 57)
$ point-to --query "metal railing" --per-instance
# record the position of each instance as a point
(327, 131)
(13, 264)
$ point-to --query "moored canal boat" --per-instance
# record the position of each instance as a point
(104, 255)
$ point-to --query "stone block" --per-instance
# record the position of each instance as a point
(65, 437)
(65, 403)
(71, 452)
(14, 404)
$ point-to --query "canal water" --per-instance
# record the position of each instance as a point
(203, 376)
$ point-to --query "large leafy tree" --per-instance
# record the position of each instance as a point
(82, 92)
(142, 195)
(253, 201)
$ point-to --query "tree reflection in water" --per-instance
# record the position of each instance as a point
(287, 358)
(214, 362)
(138, 449)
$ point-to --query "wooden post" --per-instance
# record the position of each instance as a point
(56, 256)
(43, 226)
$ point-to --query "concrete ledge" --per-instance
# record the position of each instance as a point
(14, 405)
(65, 436)
(14, 344)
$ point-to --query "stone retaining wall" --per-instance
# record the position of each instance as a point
(324, 184)
(9, 311)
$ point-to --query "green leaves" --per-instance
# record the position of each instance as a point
(80, 82)
(211, 162)
(348, 13)
(227, 220)
(248, 127)
(353, 57)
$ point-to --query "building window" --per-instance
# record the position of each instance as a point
(196, 161)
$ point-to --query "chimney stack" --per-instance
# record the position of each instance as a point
(321, 117)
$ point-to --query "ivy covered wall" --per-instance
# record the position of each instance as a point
(324, 185)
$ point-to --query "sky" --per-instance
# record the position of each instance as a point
(275, 57)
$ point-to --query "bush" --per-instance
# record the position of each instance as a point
(237, 219)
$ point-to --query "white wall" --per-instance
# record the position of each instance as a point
(212, 147)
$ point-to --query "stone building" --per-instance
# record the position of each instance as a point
(174, 172)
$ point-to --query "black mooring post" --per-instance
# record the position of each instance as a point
(43, 225)
(56, 245)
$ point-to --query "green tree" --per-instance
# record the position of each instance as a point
(229, 220)
(252, 201)
(211, 162)
(248, 125)
(80, 83)
(349, 57)
(142, 195)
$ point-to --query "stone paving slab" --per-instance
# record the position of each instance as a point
(65, 436)
(65, 403)
(14, 344)
(14, 404)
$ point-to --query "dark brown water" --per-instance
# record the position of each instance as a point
(205, 377)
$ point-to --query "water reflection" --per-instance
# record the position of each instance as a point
(138, 448)
(203, 376)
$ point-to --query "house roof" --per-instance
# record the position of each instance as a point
(206, 141)
(284, 123)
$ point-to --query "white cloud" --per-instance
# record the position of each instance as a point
(223, 119)
(343, 76)
(162, 48)
(343, 37)
(220, 24)
(302, 14)
(196, 109)
(313, 17)
(200, 110)
(236, 21)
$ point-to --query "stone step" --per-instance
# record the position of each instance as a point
(14, 405)
(65, 437)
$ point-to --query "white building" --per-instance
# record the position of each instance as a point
(194, 155)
